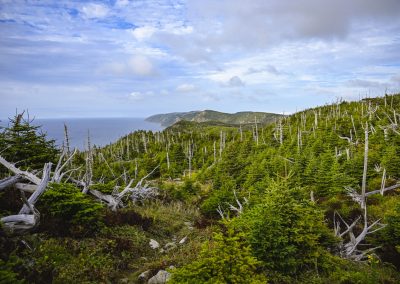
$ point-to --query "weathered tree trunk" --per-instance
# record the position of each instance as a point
(28, 217)
(29, 176)
(9, 181)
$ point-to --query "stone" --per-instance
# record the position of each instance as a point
(161, 277)
(183, 240)
(144, 275)
(154, 244)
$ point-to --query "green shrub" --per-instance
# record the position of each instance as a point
(286, 231)
(70, 261)
(7, 273)
(219, 197)
(66, 210)
(225, 259)
(106, 188)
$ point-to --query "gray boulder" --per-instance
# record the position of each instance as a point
(161, 277)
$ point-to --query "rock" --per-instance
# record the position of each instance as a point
(183, 240)
(161, 277)
(144, 275)
(154, 244)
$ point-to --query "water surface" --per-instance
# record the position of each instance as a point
(102, 131)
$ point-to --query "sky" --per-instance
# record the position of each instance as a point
(135, 58)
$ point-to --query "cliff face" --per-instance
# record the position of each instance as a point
(209, 115)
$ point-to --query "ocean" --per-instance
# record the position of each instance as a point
(102, 131)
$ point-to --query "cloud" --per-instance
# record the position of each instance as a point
(138, 65)
(143, 33)
(395, 79)
(136, 96)
(267, 68)
(357, 83)
(235, 81)
(93, 10)
(141, 65)
(185, 88)
(121, 3)
(260, 23)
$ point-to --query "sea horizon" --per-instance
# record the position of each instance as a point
(102, 130)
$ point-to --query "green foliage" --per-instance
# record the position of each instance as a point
(182, 192)
(70, 210)
(286, 231)
(8, 273)
(219, 197)
(105, 188)
(225, 259)
(23, 143)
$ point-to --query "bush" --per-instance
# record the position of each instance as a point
(225, 259)
(67, 210)
(219, 196)
(25, 144)
(286, 231)
(105, 188)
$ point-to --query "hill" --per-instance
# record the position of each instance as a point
(244, 117)
(311, 198)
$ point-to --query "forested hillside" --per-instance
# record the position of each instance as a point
(309, 198)
(238, 118)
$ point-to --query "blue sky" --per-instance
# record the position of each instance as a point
(140, 57)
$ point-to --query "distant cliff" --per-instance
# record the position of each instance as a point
(244, 117)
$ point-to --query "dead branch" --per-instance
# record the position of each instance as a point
(40, 189)
(29, 176)
(9, 181)
(58, 175)
(26, 187)
(28, 217)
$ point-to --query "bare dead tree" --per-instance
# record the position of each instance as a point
(350, 248)
(140, 191)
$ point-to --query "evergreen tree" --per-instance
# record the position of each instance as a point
(226, 259)
(26, 145)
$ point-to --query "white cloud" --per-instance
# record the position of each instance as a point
(136, 96)
(121, 3)
(93, 10)
(141, 65)
(185, 88)
(143, 33)
(175, 29)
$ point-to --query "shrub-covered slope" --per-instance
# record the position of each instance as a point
(275, 198)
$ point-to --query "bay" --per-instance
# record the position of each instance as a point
(102, 131)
